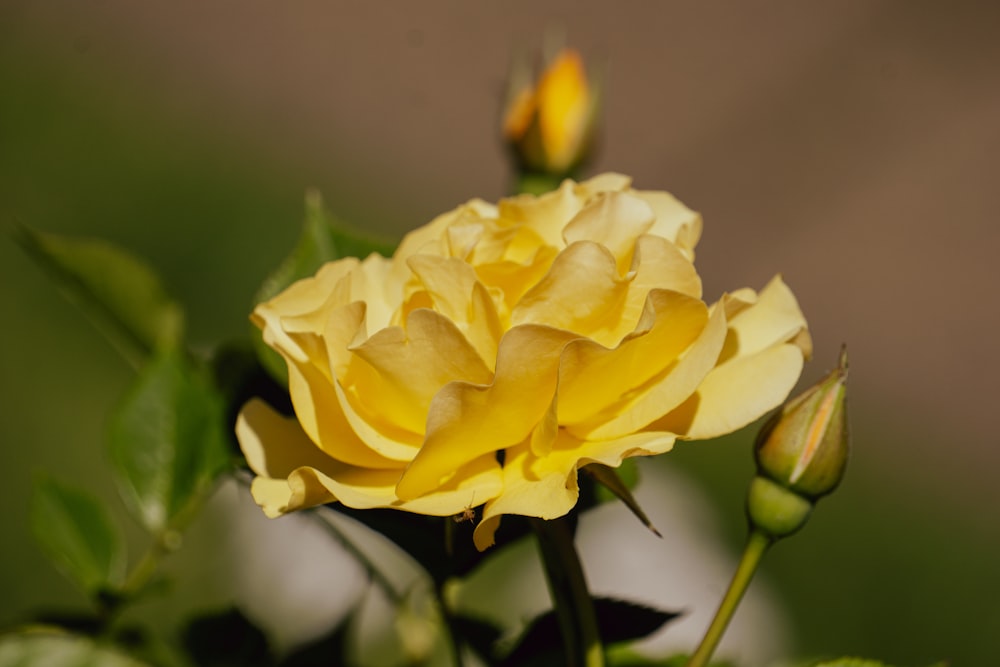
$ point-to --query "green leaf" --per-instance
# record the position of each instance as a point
(226, 639)
(48, 648)
(119, 293)
(323, 239)
(617, 621)
(619, 485)
(167, 441)
(75, 531)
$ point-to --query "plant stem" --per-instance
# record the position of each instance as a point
(756, 546)
(570, 597)
(534, 183)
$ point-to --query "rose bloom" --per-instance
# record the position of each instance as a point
(505, 346)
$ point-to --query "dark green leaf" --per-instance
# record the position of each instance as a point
(76, 532)
(328, 650)
(226, 639)
(41, 648)
(618, 483)
(167, 440)
(480, 635)
(617, 621)
(323, 239)
(119, 293)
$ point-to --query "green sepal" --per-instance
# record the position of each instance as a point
(117, 291)
(324, 239)
(619, 484)
(76, 532)
(167, 441)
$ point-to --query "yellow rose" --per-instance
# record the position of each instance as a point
(502, 348)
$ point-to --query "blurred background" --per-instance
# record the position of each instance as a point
(852, 146)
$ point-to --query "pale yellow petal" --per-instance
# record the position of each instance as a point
(280, 496)
(274, 445)
(659, 264)
(466, 420)
(664, 392)
(545, 215)
(294, 474)
(319, 413)
(674, 221)
(582, 292)
(302, 298)
(773, 318)
(547, 487)
(736, 393)
(595, 381)
(404, 369)
(456, 293)
(615, 220)
(609, 181)
(361, 488)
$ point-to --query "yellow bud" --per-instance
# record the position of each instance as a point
(549, 124)
(804, 446)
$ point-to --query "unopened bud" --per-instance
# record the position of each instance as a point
(804, 446)
(550, 124)
(801, 455)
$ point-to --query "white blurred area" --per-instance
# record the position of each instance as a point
(293, 578)
(688, 570)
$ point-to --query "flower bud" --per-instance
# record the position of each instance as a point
(801, 455)
(550, 125)
(804, 446)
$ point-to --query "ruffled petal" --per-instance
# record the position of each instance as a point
(594, 381)
(664, 392)
(582, 292)
(615, 220)
(766, 344)
(456, 293)
(466, 420)
(674, 221)
(547, 487)
(293, 474)
(400, 371)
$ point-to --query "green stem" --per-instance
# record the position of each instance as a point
(754, 551)
(570, 597)
(536, 183)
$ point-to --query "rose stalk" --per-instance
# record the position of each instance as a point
(801, 455)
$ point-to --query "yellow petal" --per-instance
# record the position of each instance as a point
(318, 410)
(659, 264)
(546, 487)
(595, 382)
(773, 317)
(665, 392)
(404, 368)
(759, 365)
(736, 393)
(294, 474)
(302, 298)
(582, 292)
(615, 220)
(674, 221)
(274, 445)
(466, 420)
(456, 293)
